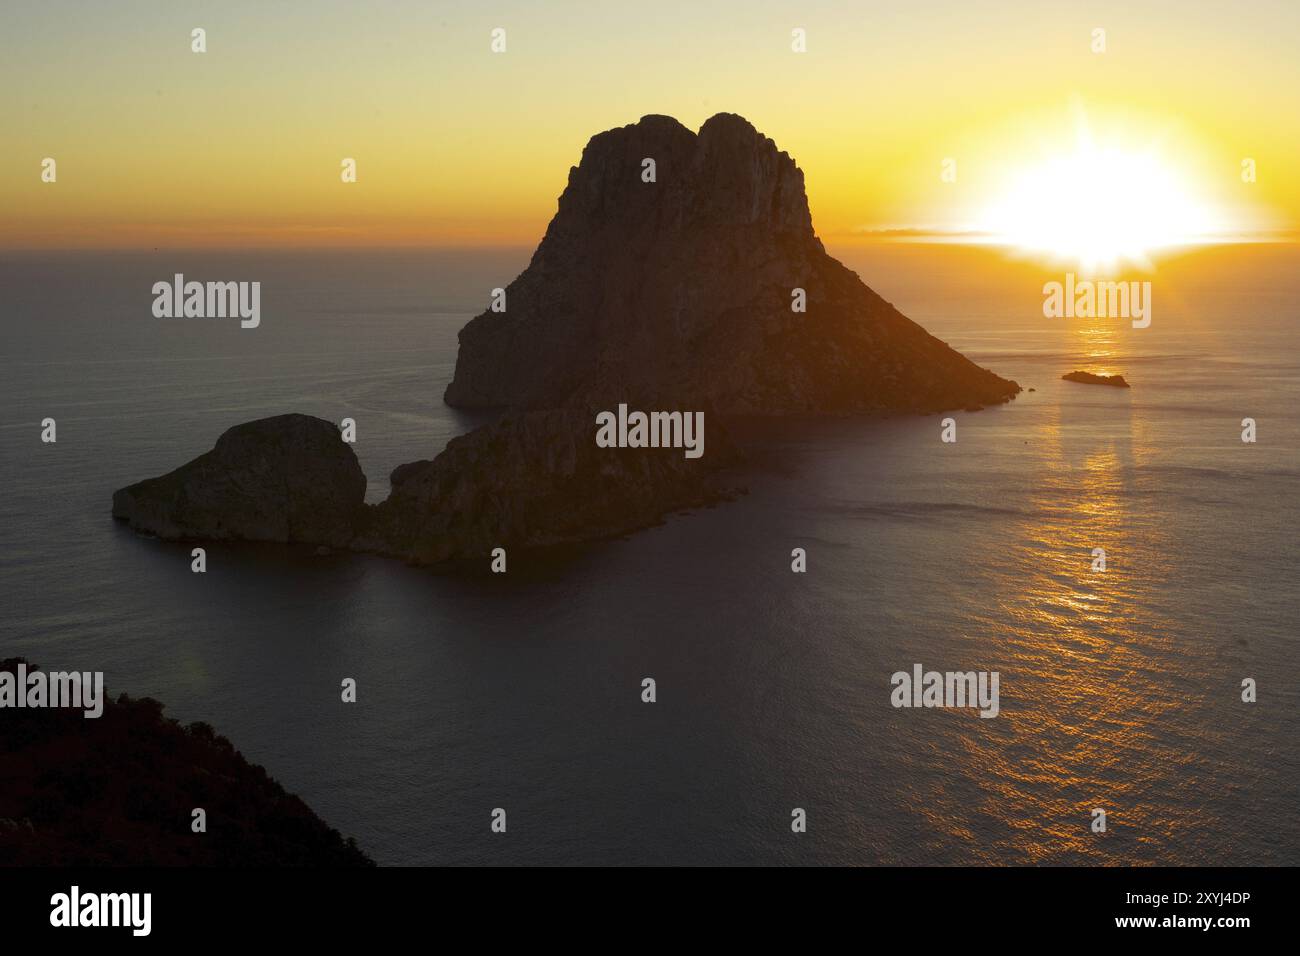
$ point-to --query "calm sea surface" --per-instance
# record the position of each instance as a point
(1118, 690)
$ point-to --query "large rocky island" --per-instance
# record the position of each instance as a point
(679, 293)
(671, 285)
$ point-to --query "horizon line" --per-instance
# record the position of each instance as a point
(884, 235)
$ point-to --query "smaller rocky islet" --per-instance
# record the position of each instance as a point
(1089, 378)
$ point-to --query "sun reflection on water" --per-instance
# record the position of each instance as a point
(1085, 654)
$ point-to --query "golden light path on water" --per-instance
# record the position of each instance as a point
(1096, 678)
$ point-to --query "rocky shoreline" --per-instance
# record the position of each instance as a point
(527, 481)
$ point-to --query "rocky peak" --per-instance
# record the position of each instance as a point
(728, 176)
(677, 293)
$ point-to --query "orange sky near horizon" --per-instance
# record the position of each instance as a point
(458, 146)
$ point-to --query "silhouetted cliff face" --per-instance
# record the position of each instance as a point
(120, 789)
(677, 294)
(290, 478)
(536, 479)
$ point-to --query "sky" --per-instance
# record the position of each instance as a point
(455, 145)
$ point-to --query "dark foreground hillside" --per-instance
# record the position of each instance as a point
(120, 790)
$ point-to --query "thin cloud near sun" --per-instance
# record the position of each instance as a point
(1106, 196)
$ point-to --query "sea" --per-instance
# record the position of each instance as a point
(1121, 690)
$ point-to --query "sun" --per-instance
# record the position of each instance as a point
(1100, 206)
